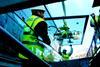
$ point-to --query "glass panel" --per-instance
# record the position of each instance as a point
(76, 26)
(78, 7)
(55, 9)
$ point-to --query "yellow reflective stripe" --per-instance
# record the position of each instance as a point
(29, 38)
(35, 49)
(31, 19)
(36, 22)
(96, 18)
(22, 56)
(29, 22)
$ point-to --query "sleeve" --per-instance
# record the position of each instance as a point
(92, 23)
(41, 30)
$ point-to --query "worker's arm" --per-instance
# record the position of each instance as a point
(42, 31)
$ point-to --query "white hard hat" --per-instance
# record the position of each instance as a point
(66, 50)
(38, 8)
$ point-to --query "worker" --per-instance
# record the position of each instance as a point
(30, 37)
(95, 22)
(66, 52)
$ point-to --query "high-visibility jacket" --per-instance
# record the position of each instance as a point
(95, 21)
(29, 35)
(67, 56)
(30, 39)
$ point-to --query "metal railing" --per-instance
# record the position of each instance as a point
(20, 47)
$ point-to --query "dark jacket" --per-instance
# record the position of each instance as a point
(41, 30)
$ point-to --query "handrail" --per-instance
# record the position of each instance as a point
(21, 48)
(91, 48)
(95, 53)
(10, 59)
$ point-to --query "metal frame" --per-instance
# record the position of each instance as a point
(86, 21)
(73, 17)
(25, 4)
